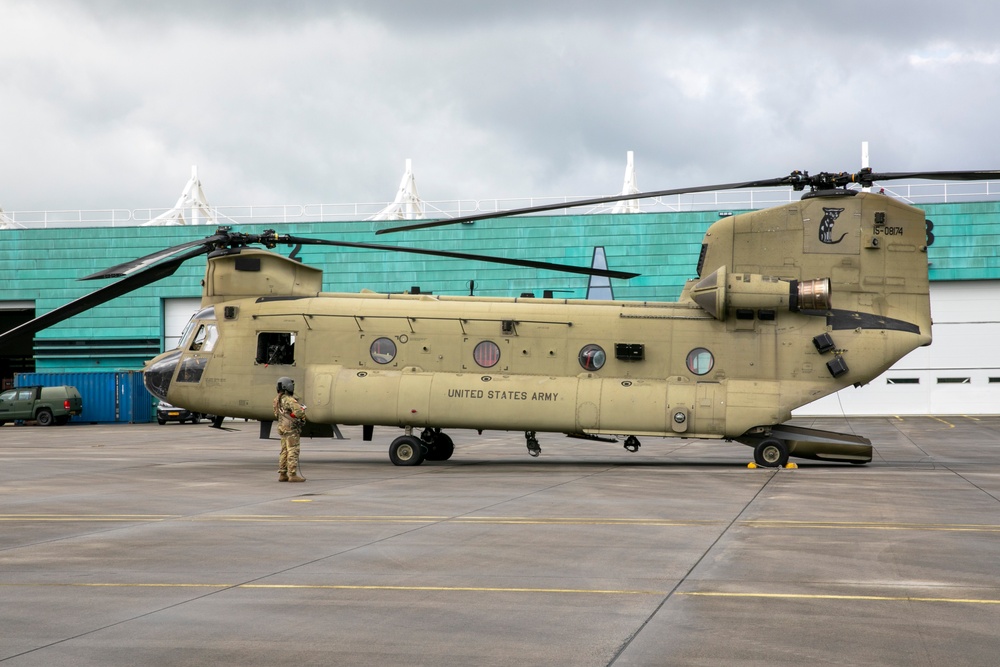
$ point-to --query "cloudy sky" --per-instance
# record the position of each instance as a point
(108, 103)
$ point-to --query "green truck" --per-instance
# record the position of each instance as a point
(44, 405)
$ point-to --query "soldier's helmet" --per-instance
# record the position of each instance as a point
(286, 384)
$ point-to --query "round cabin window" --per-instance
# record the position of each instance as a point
(383, 350)
(486, 354)
(700, 361)
(592, 357)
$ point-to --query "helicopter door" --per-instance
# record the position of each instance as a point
(710, 408)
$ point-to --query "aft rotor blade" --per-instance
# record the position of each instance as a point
(797, 180)
(565, 268)
(134, 265)
(103, 295)
(937, 175)
(766, 183)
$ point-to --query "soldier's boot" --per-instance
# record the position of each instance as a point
(282, 476)
(295, 477)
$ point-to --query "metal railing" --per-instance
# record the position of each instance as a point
(913, 193)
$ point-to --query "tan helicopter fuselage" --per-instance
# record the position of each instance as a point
(791, 304)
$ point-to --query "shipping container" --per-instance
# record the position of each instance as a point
(110, 397)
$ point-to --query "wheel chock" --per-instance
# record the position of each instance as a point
(751, 465)
(791, 466)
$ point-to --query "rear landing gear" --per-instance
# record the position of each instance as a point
(632, 444)
(533, 447)
(771, 453)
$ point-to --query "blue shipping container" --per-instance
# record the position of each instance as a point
(118, 396)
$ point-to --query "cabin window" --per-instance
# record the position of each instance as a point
(486, 354)
(275, 348)
(700, 361)
(383, 350)
(592, 357)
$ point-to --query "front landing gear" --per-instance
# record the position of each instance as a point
(439, 445)
(632, 444)
(533, 447)
(406, 450)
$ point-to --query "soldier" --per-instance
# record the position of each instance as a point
(291, 417)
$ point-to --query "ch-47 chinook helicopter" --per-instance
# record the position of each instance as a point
(789, 304)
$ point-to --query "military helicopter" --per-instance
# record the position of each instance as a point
(790, 304)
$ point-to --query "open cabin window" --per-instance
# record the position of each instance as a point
(275, 348)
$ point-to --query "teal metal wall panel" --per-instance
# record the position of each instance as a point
(107, 397)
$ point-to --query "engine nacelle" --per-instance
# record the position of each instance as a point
(718, 293)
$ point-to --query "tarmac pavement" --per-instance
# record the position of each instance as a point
(176, 545)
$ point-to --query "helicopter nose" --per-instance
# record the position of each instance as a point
(158, 373)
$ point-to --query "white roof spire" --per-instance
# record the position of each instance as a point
(407, 204)
(193, 197)
(629, 188)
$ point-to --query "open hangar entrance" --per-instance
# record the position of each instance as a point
(16, 356)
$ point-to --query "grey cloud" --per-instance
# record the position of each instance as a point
(302, 102)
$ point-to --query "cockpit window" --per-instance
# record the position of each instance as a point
(203, 314)
(205, 338)
(192, 369)
(276, 348)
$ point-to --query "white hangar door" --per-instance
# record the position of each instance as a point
(959, 374)
(176, 313)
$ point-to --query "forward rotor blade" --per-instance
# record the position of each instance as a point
(134, 265)
(103, 295)
(565, 268)
(766, 183)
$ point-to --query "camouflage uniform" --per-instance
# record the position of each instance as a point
(291, 417)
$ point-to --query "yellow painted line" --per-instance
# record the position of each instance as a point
(821, 596)
(348, 587)
(460, 589)
(858, 525)
(498, 520)
(88, 517)
(587, 521)
(549, 521)
(948, 424)
(326, 518)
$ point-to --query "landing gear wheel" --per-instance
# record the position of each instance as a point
(632, 444)
(406, 450)
(771, 453)
(534, 449)
(439, 446)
